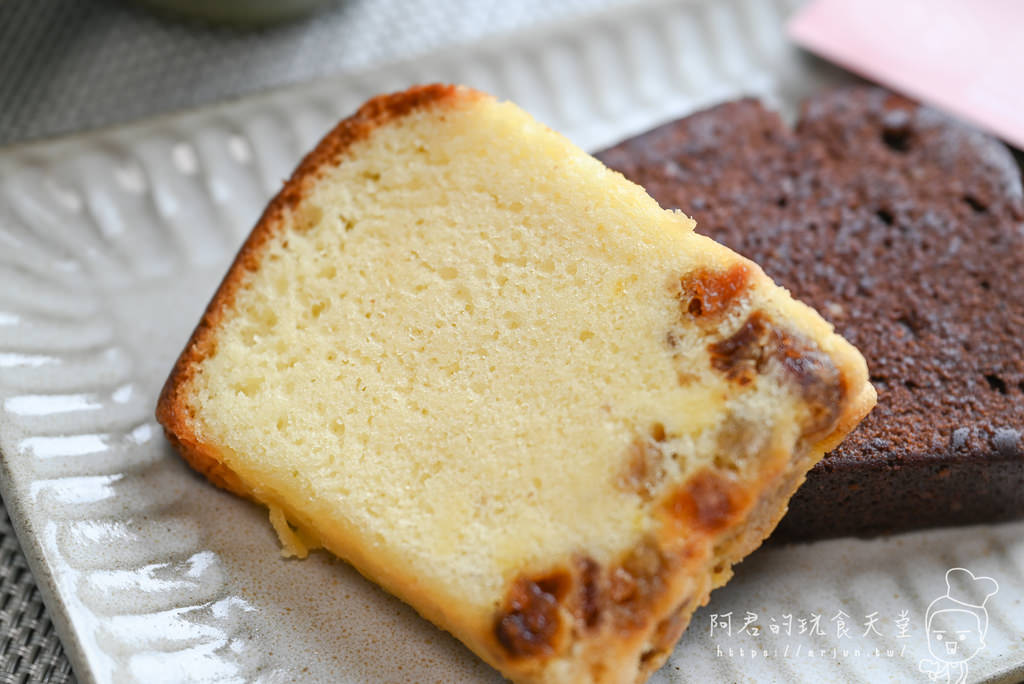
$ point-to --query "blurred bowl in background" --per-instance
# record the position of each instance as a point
(239, 12)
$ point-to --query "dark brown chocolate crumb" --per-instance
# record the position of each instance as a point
(904, 228)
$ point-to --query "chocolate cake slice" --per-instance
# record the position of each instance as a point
(904, 228)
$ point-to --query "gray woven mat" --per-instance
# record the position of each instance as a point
(29, 648)
(68, 66)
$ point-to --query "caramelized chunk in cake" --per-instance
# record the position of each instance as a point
(498, 379)
(904, 227)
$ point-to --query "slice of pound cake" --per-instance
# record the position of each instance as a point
(498, 379)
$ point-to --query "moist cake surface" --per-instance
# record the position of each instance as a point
(904, 228)
(498, 379)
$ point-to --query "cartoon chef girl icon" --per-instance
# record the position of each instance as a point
(956, 624)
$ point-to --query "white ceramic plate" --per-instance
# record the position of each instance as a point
(111, 244)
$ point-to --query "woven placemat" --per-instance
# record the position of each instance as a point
(70, 66)
(29, 648)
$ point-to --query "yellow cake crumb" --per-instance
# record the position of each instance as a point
(503, 383)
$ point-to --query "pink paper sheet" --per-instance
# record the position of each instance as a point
(963, 56)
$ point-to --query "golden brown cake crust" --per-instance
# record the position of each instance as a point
(171, 410)
(636, 605)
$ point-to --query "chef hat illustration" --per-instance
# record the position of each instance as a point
(964, 591)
